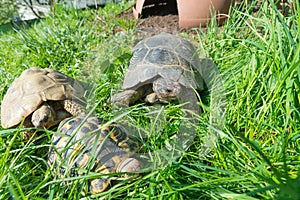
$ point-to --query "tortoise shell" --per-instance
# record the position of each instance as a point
(166, 56)
(31, 89)
(85, 144)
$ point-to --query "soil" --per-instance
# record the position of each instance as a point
(158, 18)
(162, 16)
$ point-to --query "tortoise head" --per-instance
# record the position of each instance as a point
(166, 90)
(44, 117)
(128, 165)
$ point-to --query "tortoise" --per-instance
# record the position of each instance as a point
(43, 97)
(163, 68)
(84, 144)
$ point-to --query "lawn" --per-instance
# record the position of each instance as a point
(257, 153)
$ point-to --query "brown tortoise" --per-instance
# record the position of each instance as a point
(85, 144)
(163, 68)
(43, 97)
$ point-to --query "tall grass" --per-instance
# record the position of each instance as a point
(257, 154)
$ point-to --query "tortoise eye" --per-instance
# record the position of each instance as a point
(46, 118)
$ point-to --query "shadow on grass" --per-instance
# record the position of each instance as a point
(11, 26)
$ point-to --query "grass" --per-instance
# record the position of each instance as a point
(8, 10)
(257, 155)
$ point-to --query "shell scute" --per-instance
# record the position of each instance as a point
(166, 56)
(86, 143)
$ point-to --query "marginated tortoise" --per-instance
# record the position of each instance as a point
(163, 68)
(43, 97)
(85, 145)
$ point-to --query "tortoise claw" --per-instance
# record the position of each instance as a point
(151, 98)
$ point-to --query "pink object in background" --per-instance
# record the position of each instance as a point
(193, 13)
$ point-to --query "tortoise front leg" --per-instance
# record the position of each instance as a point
(26, 135)
(127, 97)
(187, 130)
(74, 108)
(189, 97)
(99, 185)
(152, 98)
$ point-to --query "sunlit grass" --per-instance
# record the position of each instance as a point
(257, 154)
